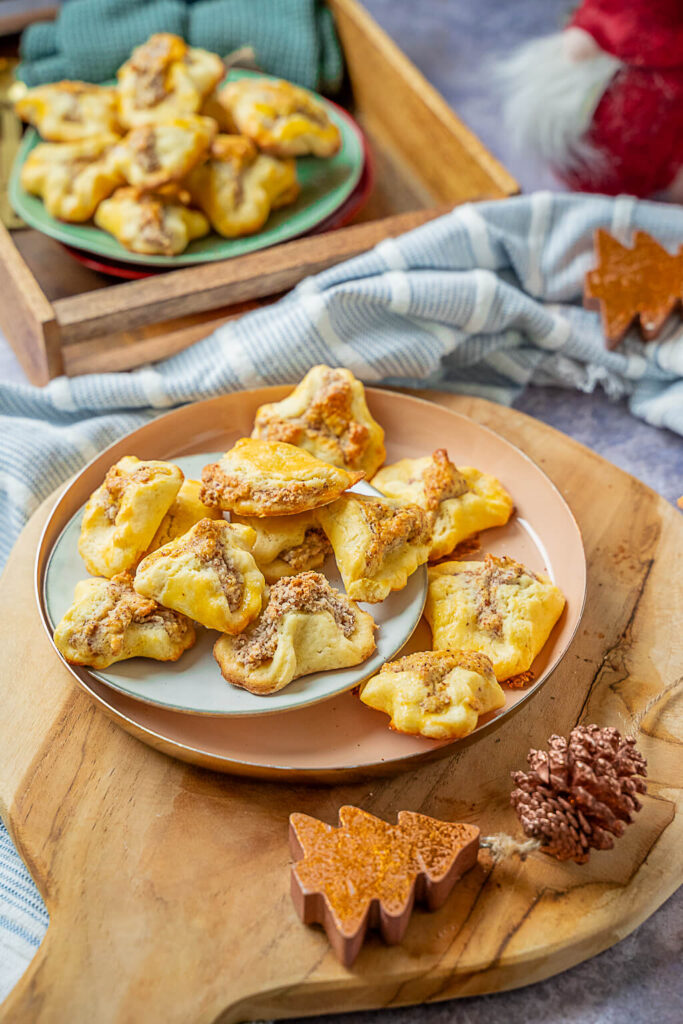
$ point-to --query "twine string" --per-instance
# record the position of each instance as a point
(502, 845)
(640, 716)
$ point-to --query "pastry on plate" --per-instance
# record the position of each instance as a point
(153, 154)
(377, 542)
(154, 223)
(496, 607)
(72, 178)
(207, 573)
(110, 622)
(69, 111)
(437, 694)
(123, 514)
(286, 545)
(464, 501)
(267, 478)
(307, 626)
(237, 186)
(165, 77)
(281, 118)
(328, 416)
(186, 510)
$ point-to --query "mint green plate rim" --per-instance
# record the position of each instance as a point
(325, 185)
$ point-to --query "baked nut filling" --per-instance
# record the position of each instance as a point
(154, 223)
(72, 178)
(152, 155)
(286, 545)
(70, 111)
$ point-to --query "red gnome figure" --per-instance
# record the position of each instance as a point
(602, 101)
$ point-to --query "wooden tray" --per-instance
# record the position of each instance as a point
(61, 317)
(168, 886)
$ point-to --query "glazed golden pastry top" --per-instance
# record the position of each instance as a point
(70, 111)
(185, 511)
(157, 223)
(326, 414)
(286, 545)
(153, 154)
(72, 178)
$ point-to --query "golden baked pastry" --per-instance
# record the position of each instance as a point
(377, 542)
(328, 416)
(185, 511)
(267, 478)
(72, 178)
(153, 154)
(307, 626)
(463, 501)
(207, 573)
(496, 607)
(155, 223)
(123, 514)
(437, 694)
(110, 622)
(286, 545)
(165, 77)
(237, 186)
(281, 118)
(70, 111)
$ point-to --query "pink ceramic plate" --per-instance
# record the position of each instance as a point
(340, 738)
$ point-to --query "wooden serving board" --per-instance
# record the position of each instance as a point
(168, 886)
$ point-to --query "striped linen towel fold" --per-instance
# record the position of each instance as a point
(485, 300)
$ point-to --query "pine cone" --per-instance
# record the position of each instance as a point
(581, 793)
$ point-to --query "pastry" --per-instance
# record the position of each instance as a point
(377, 543)
(110, 622)
(368, 874)
(207, 573)
(496, 607)
(123, 514)
(267, 478)
(281, 118)
(286, 545)
(153, 154)
(165, 78)
(72, 178)
(154, 223)
(70, 111)
(463, 501)
(437, 694)
(237, 186)
(328, 416)
(185, 511)
(306, 626)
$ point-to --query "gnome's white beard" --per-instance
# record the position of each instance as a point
(550, 98)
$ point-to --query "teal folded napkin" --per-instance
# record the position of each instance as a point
(90, 39)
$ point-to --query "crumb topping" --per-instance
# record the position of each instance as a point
(391, 526)
(493, 573)
(441, 480)
(206, 542)
(309, 593)
(313, 550)
(433, 668)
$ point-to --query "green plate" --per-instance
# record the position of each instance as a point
(325, 185)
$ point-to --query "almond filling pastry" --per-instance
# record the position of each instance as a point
(155, 223)
(326, 414)
(110, 622)
(70, 111)
(152, 155)
(286, 545)
(72, 178)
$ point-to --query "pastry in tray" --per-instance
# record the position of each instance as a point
(328, 416)
(377, 542)
(165, 77)
(437, 694)
(110, 622)
(286, 545)
(306, 626)
(155, 223)
(208, 573)
(496, 607)
(463, 501)
(281, 118)
(153, 154)
(268, 478)
(184, 513)
(69, 111)
(72, 178)
(123, 514)
(237, 187)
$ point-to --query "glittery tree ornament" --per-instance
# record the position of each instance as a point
(580, 793)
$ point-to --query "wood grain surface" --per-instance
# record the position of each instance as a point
(168, 886)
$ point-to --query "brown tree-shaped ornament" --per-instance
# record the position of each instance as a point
(367, 873)
(581, 793)
(643, 283)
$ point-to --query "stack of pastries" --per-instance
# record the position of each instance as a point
(167, 154)
(165, 558)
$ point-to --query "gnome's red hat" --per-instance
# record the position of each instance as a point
(642, 33)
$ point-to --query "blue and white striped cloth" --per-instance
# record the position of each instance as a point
(484, 300)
